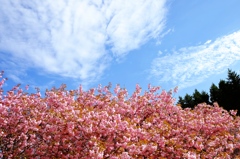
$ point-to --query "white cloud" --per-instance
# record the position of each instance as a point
(135, 23)
(159, 41)
(208, 42)
(160, 52)
(69, 38)
(11, 68)
(191, 65)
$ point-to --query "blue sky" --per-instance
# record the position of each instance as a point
(167, 43)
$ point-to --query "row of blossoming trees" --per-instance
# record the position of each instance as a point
(100, 124)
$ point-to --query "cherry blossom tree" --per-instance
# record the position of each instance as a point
(100, 124)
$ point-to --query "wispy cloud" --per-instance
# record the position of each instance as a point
(75, 38)
(191, 65)
(9, 65)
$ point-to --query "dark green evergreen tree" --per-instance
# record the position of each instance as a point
(187, 102)
(214, 93)
(227, 94)
(200, 97)
(190, 101)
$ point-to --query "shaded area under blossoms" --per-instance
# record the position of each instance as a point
(100, 124)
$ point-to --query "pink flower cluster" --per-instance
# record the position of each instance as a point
(99, 124)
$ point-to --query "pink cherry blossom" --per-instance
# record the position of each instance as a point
(99, 124)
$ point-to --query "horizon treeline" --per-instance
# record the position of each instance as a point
(226, 94)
